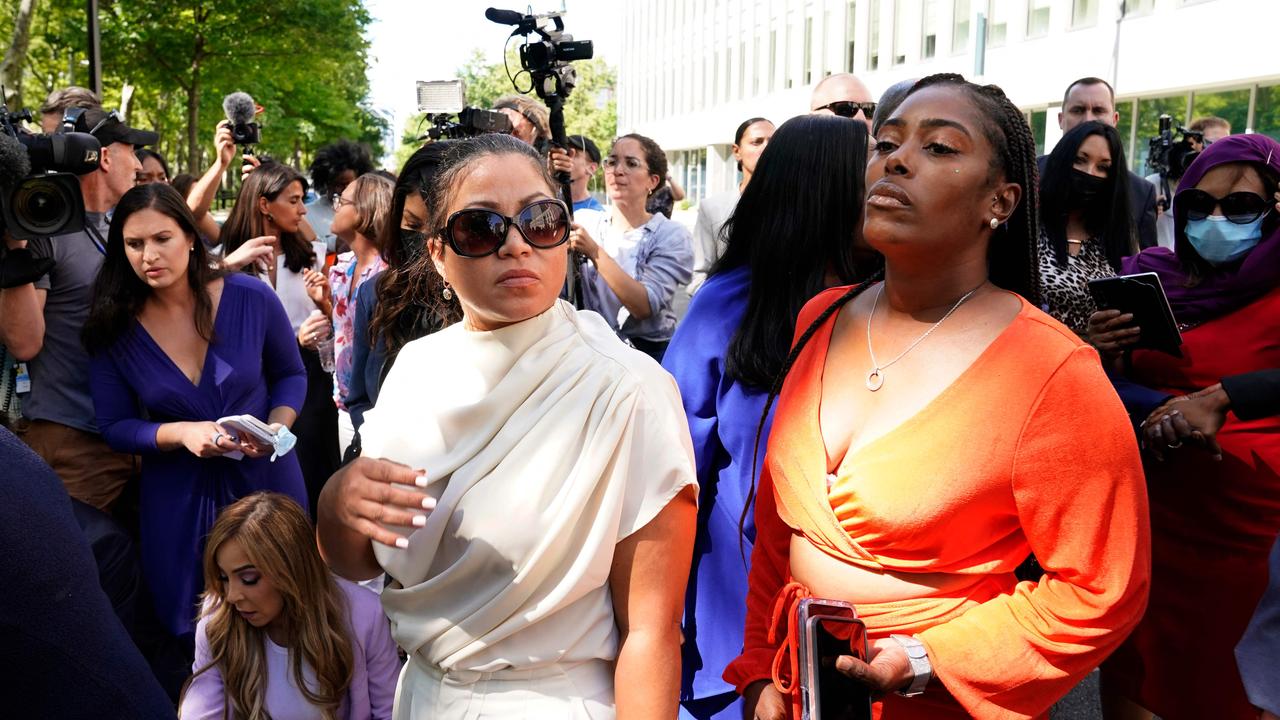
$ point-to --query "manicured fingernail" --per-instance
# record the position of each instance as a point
(428, 503)
(419, 520)
(421, 480)
(402, 543)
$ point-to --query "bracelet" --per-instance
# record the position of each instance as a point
(920, 665)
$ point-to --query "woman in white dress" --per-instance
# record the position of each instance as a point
(534, 496)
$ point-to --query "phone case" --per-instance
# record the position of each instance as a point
(1143, 295)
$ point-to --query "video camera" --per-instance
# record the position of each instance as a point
(445, 100)
(1171, 158)
(39, 193)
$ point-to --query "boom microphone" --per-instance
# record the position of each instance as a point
(504, 17)
(14, 164)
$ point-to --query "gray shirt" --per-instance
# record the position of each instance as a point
(658, 254)
(60, 371)
(708, 246)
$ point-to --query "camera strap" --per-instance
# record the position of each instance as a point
(96, 237)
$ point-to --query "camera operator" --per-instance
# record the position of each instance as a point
(529, 118)
(59, 101)
(1210, 129)
(40, 324)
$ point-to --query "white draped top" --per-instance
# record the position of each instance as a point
(547, 443)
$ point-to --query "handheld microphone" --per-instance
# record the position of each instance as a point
(240, 110)
(504, 17)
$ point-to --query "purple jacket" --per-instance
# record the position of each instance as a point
(373, 678)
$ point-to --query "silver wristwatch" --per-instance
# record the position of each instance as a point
(920, 664)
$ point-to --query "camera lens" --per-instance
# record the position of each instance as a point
(42, 205)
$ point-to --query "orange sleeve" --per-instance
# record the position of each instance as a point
(1081, 499)
(770, 568)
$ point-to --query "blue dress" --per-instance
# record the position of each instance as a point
(252, 366)
(723, 417)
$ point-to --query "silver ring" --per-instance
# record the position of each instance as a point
(216, 437)
(1174, 446)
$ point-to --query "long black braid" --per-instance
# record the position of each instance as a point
(1012, 258)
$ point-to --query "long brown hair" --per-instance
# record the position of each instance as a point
(245, 222)
(118, 292)
(278, 538)
(410, 302)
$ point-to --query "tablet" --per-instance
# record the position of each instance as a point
(1143, 295)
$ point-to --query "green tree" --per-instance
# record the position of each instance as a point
(591, 109)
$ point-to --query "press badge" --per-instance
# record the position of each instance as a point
(23, 380)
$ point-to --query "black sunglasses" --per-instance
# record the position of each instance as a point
(476, 232)
(1241, 208)
(850, 109)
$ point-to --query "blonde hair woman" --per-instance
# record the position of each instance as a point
(280, 637)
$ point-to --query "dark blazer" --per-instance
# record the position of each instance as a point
(1254, 395)
(1142, 206)
(65, 653)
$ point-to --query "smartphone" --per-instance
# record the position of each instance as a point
(829, 629)
(1143, 295)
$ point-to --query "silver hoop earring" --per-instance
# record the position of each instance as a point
(994, 223)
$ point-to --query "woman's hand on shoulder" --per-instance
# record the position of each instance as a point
(762, 701)
(889, 670)
(254, 250)
(207, 439)
(367, 498)
(580, 241)
(1112, 332)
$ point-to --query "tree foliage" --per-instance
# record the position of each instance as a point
(302, 60)
(591, 109)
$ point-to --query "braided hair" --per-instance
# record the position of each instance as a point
(1012, 258)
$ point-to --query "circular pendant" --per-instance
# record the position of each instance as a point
(874, 380)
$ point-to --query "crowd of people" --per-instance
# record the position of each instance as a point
(356, 452)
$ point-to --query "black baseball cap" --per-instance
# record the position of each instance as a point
(108, 128)
(582, 142)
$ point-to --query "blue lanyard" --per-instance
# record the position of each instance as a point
(96, 236)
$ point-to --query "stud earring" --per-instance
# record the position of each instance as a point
(956, 172)
(994, 223)
(447, 292)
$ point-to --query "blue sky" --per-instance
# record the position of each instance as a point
(414, 40)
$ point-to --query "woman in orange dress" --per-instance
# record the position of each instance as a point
(935, 430)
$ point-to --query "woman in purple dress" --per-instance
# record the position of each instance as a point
(175, 345)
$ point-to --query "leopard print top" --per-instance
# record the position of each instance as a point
(1066, 289)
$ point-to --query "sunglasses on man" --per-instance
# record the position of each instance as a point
(477, 232)
(850, 109)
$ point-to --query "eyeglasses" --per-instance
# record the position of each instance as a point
(628, 165)
(336, 201)
(476, 232)
(850, 109)
(113, 115)
(1241, 208)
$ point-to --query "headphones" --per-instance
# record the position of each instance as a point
(70, 117)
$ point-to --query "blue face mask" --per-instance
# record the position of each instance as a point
(1220, 241)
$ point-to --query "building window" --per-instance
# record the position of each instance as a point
(755, 63)
(742, 70)
(1231, 105)
(899, 32)
(715, 77)
(850, 35)
(1138, 7)
(1037, 18)
(773, 59)
(788, 78)
(960, 26)
(1037, 119)
(1266, 113)
(1127, 110)
(929, 34)
(873, 42)
(997, 22)
(808, 50)
(1084, 13)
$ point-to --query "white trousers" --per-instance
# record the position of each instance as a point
(578, 692)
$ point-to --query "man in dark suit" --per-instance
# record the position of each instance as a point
(1092, 98)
